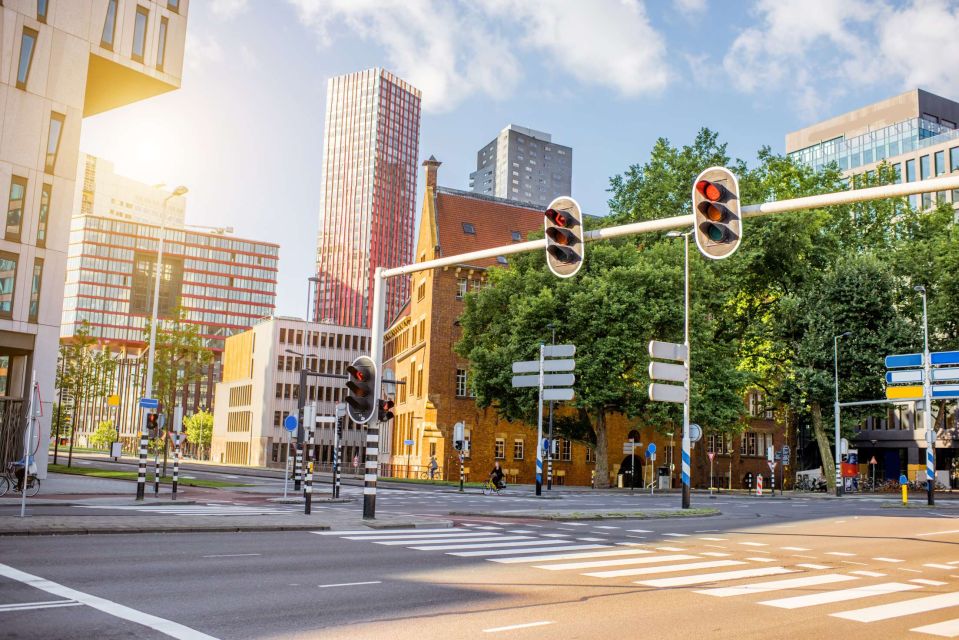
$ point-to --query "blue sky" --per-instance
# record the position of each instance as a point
(606, 77)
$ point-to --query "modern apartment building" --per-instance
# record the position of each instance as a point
(523, 165)
(368, 192)
(102, 191)
(261, 373)
(61, 61)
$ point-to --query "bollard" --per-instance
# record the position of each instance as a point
(905, 495)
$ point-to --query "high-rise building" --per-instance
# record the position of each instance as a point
(367, 196)
(62, 61)
(524, 165)
(103, 192)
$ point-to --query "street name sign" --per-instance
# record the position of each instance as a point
(668, 351)
(667, 371)
(408, 443)
(904, 360)
(904, 375)
(945, 390)
(944, 357)
(945, 373)
(629, 447)
(532, 366)
(550, 380)
(558, 394)
(912, 392)
(149, 403)
(559, 351)
(666, 393)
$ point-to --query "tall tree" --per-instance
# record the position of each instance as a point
(199, 431)
(87, 374)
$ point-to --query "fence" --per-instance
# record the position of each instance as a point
(12, 428)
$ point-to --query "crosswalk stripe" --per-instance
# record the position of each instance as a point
(677, 535)
(685, 581)
(809, 565)
(947, 629)
(795, 549)
(905, 608)
(869, 574)
(423, 536)
(715, 554)
(570, 556)
(670, 549)
(931, 583)
(379, 532)
(485, 545)
(713, 539)
(935, 565)
(595, 564)
(754, 544)
(881, 559)
(840, 553)
(441, 541)
(761, 559)
(775, 585)
(828, 597)
(712, 564)
(506, 552)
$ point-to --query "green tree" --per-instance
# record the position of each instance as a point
(104, 436)
(88, 373)
(199, 431)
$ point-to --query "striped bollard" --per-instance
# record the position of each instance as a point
(176, 461)
(156, 473)
(930, 474)
(298, 472)
(686, 469)
(337, 438)
(462, 472)
(370, 467)
(142, 466)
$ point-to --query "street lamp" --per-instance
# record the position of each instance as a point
(686, 442)
(312, 281)
(835, 409)
(927, 401)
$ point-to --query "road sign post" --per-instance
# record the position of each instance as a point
(711, 455)
(675, 373)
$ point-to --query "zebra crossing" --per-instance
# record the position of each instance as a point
(770, 582)
(212, 509)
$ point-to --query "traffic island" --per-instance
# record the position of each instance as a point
(597, 515)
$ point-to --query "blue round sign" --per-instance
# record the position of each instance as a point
(903, 479)
(651, 448)
(290, 423)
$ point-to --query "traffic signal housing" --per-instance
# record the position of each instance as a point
(564, 237)
(385, 413)
(153, 425)
(359, 398)
(719, 228)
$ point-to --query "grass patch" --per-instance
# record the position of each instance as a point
(132, 475)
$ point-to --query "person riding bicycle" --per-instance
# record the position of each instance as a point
(496, 476)
(20, 469)
(433, 467)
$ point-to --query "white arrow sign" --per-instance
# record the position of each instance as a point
(557, 394)
(668, 351)
(666, 393)
(551, 380)
(904, 375)
(559, 351)
(667, 371)
(532, 366)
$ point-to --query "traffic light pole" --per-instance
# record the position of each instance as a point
(381, 275)
(539, 427)
(686, 442)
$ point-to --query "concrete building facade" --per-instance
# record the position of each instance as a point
(260, 388)
(523, 165)
(101, 191)
(368, 192)
(61, 62)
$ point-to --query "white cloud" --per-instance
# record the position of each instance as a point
(228, 9)
(920, 45)
(454, 50)
(201, 51)
(690, 7)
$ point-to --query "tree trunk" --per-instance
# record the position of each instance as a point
(601, 480)
(825, 452)
(73, 430)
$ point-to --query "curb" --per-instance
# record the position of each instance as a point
(314, 500)
(87, 503)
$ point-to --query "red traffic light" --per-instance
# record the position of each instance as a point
(561, 218)
(713, 191)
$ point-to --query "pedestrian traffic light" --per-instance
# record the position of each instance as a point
(359, 400)
(153, 425)
(385, 413)
(564, 237)
(716, 209)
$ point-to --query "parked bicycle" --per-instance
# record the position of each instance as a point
(9, 480)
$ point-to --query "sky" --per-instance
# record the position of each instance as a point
(607, 77)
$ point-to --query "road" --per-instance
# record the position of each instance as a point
(763, 569)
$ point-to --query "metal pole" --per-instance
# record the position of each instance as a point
(301, 427)
(549, 452)
(142, 464)
(686, 442)
(309, 415)
(337, 444)
(927, 401)
(177, 427)
(28, 442)
(539, 425)
(462, 472)
(373, 431)
(156, 473)
(286, 467)
(838, 446)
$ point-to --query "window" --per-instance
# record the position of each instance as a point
(173, 5)
(421, 291)
(419, 380)
(45, 192)
(499, 449)
(34, 310)
(140, 34)
(940, 157)
(460, 288)
(402, 390)
(18, 191)
(501, 260)
(589, 454)
(27, 43)
(566, 452)
(518, 449)
(461, 383)
(109, 25)
(42, 10)
(910, 177)
(469, 228)
(954, 159)
(8, 276)
(53, 140)
(161, 44)
(517, 236)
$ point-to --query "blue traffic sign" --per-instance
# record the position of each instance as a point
(903, 479)
(945, 390)
(904, 360)
(944, 357)
(290, 423)
(149, 403)
(651, 448)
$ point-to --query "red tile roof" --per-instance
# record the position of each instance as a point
(494, 221)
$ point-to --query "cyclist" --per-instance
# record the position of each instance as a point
(433, 466)
(496, 475)
(20, 469)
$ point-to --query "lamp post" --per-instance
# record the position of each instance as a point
(312, 282)
(686, 442)
(927, 403)
(835, 409)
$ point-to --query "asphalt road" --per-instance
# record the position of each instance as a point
(763, 569)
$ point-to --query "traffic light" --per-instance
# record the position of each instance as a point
(359, 400)
(385, 413)
(153, 425)
(564, 237)
(716, 208)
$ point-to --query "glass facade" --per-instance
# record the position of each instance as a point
(368, 193)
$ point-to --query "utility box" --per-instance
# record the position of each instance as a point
(664, 479)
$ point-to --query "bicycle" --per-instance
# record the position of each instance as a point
(8, 481)
(490, 487)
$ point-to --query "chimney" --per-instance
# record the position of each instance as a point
(431, 166)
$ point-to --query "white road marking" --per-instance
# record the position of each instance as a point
(639, 530)
(231, 555)
(754, 544)
(506, 552)
(605, 527)
(829, 597)
(795, 549)
(905, 608)
(670, 549)
(712, 538)
(845, 554)
(612, 563)
(568, 556)
(425, 536)
(526, 625)
(441, 541)
(164, 626)
(46, 604)
(775, 585)
(931, 583)
(712, 564)
(574, 524)
(555, 535)
(869, 574)
(685, 581)
(881, 559)
(947, 629)
(485, 545)
(936, 565)
(758, 559)
(379, 532)
(348, 584)
(937, 533)
(715, 554)
(677, 535)
(592, 539)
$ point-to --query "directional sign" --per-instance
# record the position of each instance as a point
(945, 373)
(290, 422)
(904, 375)
(668, 351)
(557, 394)
(551, 380)
(408, 443)
(905, 360)
(711, 455)
(944, 357)
(532, 366)
(772, 466)
(945, 390)
(695, 432)
(667, 371)
(904, 393)
(559, 351)
(629, 447)
(149, 403)
(666, 393)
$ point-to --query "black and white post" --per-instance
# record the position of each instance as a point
(370, 467)
(177, 427)
(309, 415)
(142, 463)
(337, 443)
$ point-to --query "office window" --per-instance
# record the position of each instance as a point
(42, 10)
(8, 276)
(34, 310)
(940, 157)
(910, 177)
(45, 192)
(954, 159)
(499, 450)
(173, 5)
(54, 134)
(923, 167)
(516, 236)
(161, 44)
(518, 449)
(461, 383)
(140, 33)
(109, 25)
(28, 41)
(421, 291)
(460, 288)
(18, 191)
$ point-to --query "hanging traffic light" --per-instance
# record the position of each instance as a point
(716, 208)
(359, 400)
(385, 413)
(564, 237)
